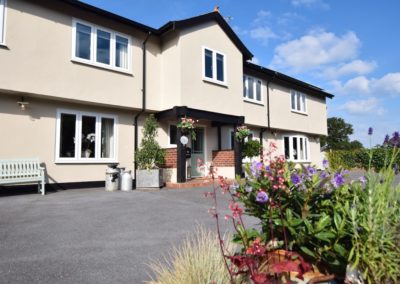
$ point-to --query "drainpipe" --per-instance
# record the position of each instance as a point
(135, 123)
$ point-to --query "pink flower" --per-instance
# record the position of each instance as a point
(236, 210)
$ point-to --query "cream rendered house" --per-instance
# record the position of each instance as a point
(77, 82)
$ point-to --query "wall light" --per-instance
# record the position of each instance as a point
(23, 104)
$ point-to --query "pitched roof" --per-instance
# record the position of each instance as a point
(213, 16)
(276, 76)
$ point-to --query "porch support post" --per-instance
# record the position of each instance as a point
(180, 158)
(219, 138)
(238, 149)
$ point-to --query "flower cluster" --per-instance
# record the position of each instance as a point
(393, 141)
(241, 133)
(187, 126)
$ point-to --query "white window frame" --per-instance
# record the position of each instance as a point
(246, 90)
(303, 102)
(305, 147)
(78, 137)
(3, 20)
(214, 62)
(93, 47)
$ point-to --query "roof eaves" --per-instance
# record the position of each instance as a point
(104, 13)
(285, 78)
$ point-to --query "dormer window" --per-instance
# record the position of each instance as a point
(298, 102)
(214, 66)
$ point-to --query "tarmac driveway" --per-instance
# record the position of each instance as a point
(93, 236)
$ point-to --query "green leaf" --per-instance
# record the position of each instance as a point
(340, 250)
(325, 236)
(323, 222)
(307, 251)
(337, 220)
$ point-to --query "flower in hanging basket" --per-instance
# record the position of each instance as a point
(187, 126)
(241, 133)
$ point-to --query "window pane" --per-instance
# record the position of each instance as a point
(306, 148)
(295, 150)
(301, 149)
(220, 67)
(107, 138)
(197, 145)
(88, 137)
(103, 47)
(121, 52)
(303, 103)
(172, 134)
(298, 105)
(82, 48)
(244, 87)
(251, 88)
(232, 140)
(67, 135)
(258, 90)
(208, 64)
(2, 24)
(293, 100)
(287, 149)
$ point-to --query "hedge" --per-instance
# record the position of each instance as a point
(349, 159)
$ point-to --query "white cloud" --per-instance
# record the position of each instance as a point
(255, 60)
(388, 85)
(311, 3)
(262, 33)
(357, 107)
(318, 48)
(357, 66)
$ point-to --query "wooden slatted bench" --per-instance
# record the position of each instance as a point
(22, 171)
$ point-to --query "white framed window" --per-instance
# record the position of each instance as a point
(252, 89)
(296, 148)
(298, 101)
(3, 21)
(101, 47)
(214, 66)
(85, 137)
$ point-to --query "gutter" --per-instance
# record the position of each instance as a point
(135, 123)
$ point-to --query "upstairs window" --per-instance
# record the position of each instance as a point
(214, 66)
(296, 148)
(172, 134)
(2, 20)
(252, 89)
(298, 102)
(101, 47)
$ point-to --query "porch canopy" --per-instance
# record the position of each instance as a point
(217, 120)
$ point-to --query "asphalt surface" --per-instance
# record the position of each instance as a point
(93, 236)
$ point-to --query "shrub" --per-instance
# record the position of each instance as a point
(251, 148)
(197, 261)
(150, 155)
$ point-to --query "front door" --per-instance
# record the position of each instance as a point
(198, 153)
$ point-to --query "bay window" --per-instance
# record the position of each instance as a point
(252, 89)
(296, 148)
(298, 101)
(101, 47)
(2, 21)
(214, 66)
(85, 137)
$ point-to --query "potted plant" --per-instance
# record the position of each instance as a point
(187, 126)
(241, 133)
(149, 157)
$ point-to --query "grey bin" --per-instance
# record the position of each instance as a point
(112, 177)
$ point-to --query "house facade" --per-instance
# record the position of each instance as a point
(77, 82)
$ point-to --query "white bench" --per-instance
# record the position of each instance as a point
(24, 171)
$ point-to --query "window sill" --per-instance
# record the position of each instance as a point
(253, 102)
(87, 161)
(101, 66)
(215, 82)
(300, 112)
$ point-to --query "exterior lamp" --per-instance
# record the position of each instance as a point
(23, 104)
(184, 140)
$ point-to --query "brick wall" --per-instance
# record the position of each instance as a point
(170, 158)
(224, 158)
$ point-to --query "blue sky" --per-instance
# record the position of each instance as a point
(349, 48)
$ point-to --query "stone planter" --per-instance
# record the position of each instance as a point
(149, 178)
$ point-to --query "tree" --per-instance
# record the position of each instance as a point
(338, 136)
